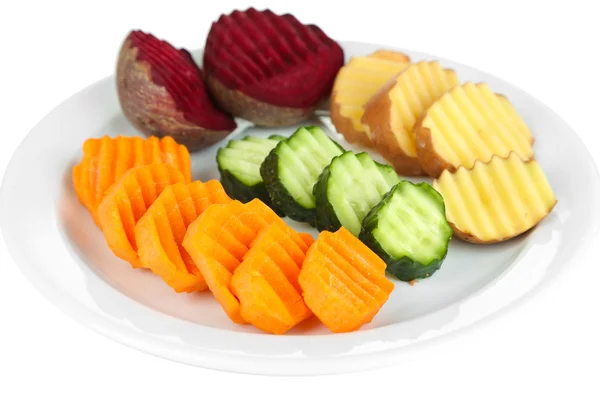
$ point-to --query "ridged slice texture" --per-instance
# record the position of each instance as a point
(243, 158)
(357, 184)
(302, 159)
(218, 240)
(107, 159)
(416, 89)
(266, 282)
(496, 201)
(272, 58)
(177, 72)
(360, 79)
(413, 225)
(343, 281)
(159, 233)
(472, 123)
(307, 238)
(127, 201)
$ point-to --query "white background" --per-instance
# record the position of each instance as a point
(547, 348)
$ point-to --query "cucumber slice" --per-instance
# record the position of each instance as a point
(349, 187)
(239, 165)
(409, 231)
(293, 167)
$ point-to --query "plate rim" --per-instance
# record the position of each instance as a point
(266, 365)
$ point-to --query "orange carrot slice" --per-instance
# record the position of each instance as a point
(127, 201)
(343, 281)
(159, 233)
(307, 237)
(107, 159)
(218, 240)
(268, 299)
(266, 282)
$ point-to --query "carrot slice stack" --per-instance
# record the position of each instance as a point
(126, 202)
(159, 233)
(343, 281)
(106, 159)
(218, 240)
(266, 282)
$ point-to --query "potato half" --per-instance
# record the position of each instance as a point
(469, 123)
(355, 84)
(495, 201)
(393, 111)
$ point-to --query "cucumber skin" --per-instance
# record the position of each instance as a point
(405, 268)
(280, 197)
(326, 218)
(238, 191)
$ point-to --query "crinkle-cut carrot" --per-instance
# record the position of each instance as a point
(266, 282)
(218, 240)
(267, 297)
(159, 233)
(349, 245)
(107, 159)
(343, 281)
(127, 201)
(307, 237)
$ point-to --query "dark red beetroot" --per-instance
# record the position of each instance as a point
(269, 69)
(162, 93)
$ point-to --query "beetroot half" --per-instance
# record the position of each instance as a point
(267, 68)
(162, 93)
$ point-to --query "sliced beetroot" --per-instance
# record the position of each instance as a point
(272, 58)
(176, 71)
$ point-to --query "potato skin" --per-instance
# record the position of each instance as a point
(390, 55)
(378, 117)
(150, 107)
(345, 127)
(431, 162)
(471, 238)
(260, 113)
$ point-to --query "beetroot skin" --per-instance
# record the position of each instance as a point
(162, 92)
(269, 59)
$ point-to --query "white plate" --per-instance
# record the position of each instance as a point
(56, 245)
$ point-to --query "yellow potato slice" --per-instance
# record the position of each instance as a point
(393, 111)
(469, 123)
(497, 200)
(354, 85)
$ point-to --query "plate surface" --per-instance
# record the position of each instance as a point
(57, 246)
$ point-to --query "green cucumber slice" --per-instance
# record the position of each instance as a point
(293, 167)
(349, 187)
(409, 231)
(239, 166)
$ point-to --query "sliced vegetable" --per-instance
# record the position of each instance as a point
(239, 165)
(266, 282)
(343, 281)
(307, 237)
(293, 167)
(497, 200)
(106, 159)
(160, 232)
(126, 202)
(409, 230)
(218, 240)
(348, 189)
